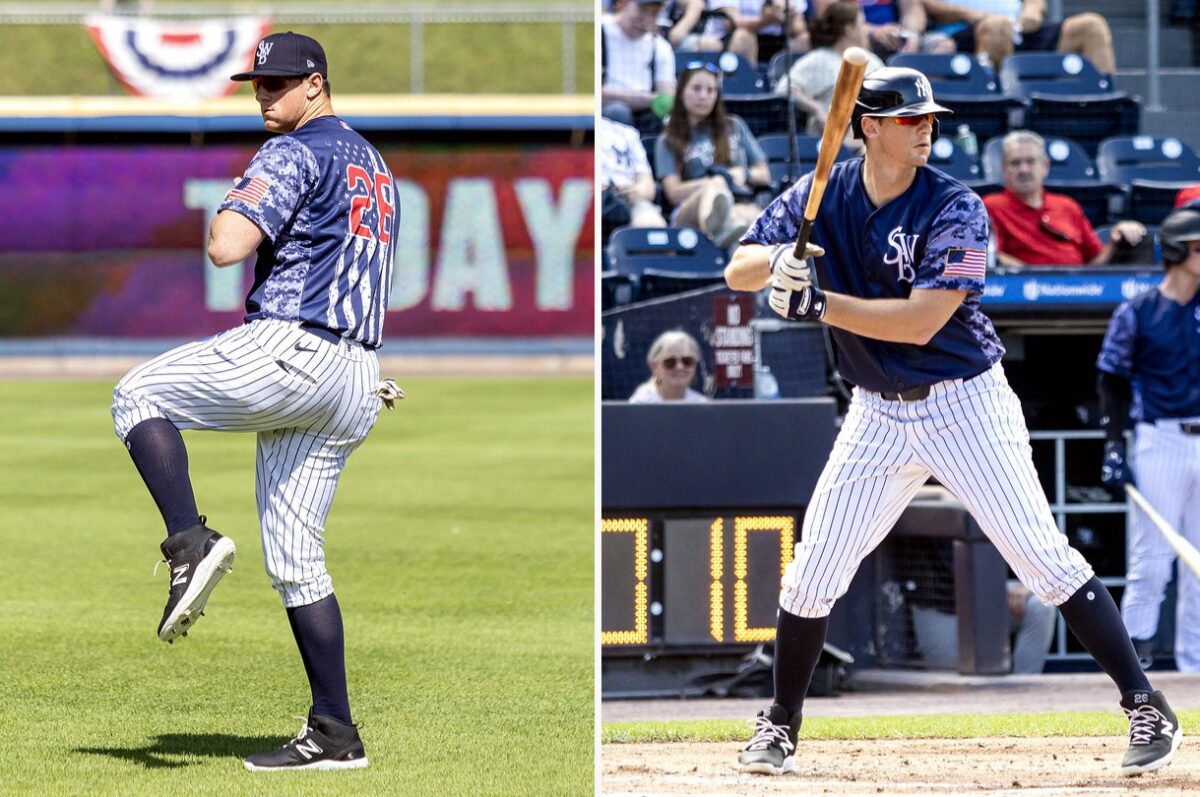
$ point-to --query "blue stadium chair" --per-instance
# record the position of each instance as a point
(950, 158)
(665, 260)
(764, 113)
(1069, 98)
(1072, 172)
(969, 89)
(776, 149)
(1153, 168)
(737, 75)
(616, 289)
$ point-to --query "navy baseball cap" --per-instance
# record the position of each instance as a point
(287, 54)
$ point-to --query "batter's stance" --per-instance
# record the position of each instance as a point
(900, 275)
(1151, 358)
(318, 206)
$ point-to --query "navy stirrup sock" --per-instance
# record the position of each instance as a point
(1094, 619)
(160, 457)
(317, 628)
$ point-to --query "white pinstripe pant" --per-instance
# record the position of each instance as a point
(312, 402)
(971, 436)
(1167, 466)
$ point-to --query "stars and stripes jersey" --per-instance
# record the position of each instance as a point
(326, 202)
(932, 237)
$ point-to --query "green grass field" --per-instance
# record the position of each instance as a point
(41, 60)
(460, 545)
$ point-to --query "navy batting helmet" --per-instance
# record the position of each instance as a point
(1177, 229)
(895, 91)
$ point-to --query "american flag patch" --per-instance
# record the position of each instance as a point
(970, 263)
(251, 190)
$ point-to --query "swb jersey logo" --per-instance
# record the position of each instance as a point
(901, 254)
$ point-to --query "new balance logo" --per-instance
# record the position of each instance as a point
(1167, 728)
(308, 748)
(180, 575)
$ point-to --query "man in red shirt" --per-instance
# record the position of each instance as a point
(1034, 227)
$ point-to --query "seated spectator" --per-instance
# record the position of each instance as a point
(814, 75)
(637, 64)
(760, 28)
(705, 156)
(894, 27)
(1188, 197)
(998, 27)
(1034, 227)
(629, 189)
(672, 359)
(699, 25)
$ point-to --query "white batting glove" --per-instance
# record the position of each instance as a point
(389, 393)
(807, 304)
(789, 272)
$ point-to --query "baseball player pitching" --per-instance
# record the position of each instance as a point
(1150, 358)
(899, 268)
(317, 205)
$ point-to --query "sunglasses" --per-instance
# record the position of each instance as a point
(272, 83)
(707, 66)
(673, 362)
(913, 121)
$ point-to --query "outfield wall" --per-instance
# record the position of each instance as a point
(104, 238)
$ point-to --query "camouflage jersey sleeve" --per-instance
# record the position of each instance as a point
(780, 222)
(282, 174)
(1116, 352)
(956, 253)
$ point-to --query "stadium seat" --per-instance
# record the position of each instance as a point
(1068, 98)
(737, 75)
(775, 147)
(763, 113)
(1072, 172)
(1153, 168)
(969, 89)
(616, 289)
(947, 156)
(666, 260)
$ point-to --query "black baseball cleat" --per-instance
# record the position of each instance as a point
(1154, 732)
(196, 559)
(772, 750)
(323, 743)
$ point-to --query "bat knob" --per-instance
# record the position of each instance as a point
(855, 55)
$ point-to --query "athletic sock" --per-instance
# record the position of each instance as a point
(798, 645)
(1094, 619)
(317, 628)
(161, 458)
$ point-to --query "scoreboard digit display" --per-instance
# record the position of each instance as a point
(692, 580)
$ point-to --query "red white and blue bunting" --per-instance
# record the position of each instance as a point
(180, 60)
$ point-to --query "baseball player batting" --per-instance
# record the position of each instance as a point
(317, 205)
(900, 265)
(1150, 359)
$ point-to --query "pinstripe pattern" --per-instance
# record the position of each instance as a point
(971, 436)
(311, 402)
(1167, 467)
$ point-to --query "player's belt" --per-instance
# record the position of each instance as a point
(916, 394)
(1190, 428)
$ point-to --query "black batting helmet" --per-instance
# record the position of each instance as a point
(1177, 229)
(895, 91)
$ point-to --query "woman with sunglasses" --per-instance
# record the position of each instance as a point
(704, 155)
(900, 261)
(672, 359)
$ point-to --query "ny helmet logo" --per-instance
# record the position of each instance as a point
(264, 49)
(923, 88)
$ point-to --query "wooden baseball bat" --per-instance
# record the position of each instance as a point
(1186, 551)
(845, 93)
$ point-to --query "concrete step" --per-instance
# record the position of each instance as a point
(1184, 125)
(1130, 46)
(1177, 87)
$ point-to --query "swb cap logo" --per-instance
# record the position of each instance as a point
(287, 55)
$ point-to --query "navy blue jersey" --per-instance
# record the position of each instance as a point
(1155, 343)
(933, 236)
(325, 200)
